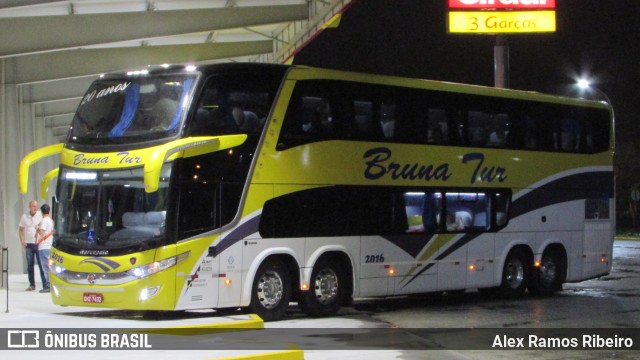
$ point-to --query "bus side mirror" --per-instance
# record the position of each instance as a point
(30, 159)
(46, 179)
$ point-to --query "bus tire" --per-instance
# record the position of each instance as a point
(515, 274)
(547, 278)
(326, 289)
(271, 291)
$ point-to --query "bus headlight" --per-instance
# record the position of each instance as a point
(150, 269)
(57, 269)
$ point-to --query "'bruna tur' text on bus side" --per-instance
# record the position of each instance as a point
(378, 165)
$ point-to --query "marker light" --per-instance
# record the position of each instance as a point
(537, 264)
(472, 267)
(392, 271)
(227, 281)
(304, 286)
(81, 175)
(138, 72)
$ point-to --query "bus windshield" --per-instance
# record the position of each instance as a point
(129, 109)
(109, 211)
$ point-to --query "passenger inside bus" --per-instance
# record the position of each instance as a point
(454, 220)
(387, 120)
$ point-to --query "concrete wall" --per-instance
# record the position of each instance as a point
(20, 133)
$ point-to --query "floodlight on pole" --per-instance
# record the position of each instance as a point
(585, 86)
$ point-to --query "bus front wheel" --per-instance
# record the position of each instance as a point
(271, 291)
(326, 289)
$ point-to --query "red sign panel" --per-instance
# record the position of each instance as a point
(502, 4)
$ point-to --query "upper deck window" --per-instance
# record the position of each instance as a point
(234, 103)
(381, 113)
(132, 109)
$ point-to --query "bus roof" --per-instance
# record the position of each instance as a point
(302, 72)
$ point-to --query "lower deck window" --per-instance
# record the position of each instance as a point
(366, 210)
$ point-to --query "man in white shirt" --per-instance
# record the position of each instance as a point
(28, 232)
(45, 239)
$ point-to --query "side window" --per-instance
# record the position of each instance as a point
(363, 119)
(463, 211)
(315, 118)
(212, 184)
(331, 211)
(502, 200)
(437, 128)
(232, 105)
(423, 211)
(310, 116)
(364, 210)
(476, 211)
(596, 209)
(204, 197)
(387, 118)
(487, 129)
(568, 135)
(327, 109)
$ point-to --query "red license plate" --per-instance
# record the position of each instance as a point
(92, 298)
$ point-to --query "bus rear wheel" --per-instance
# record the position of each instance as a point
(326, 290)
(271, 291)
(515, 274)
(548, 277)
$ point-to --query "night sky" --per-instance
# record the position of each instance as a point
(409, 38)
(598, 38)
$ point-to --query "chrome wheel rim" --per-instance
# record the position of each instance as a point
(326, 286)
(547, 271)
(514, 273)
(270, 289)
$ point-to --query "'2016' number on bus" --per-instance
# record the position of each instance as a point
(374, 258)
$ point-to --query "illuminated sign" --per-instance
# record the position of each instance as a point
(494, 22)
(502, 4)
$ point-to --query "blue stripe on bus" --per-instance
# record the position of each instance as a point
(239, 233)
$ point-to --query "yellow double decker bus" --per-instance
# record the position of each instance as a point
(255, 185)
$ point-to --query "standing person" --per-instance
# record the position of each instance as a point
(45, 239)
(28, 232)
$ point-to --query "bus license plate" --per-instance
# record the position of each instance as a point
(92, 298)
